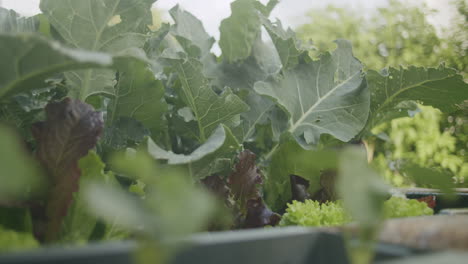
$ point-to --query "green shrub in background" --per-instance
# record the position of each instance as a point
(401, 35)
(395, 35)
(421, 140)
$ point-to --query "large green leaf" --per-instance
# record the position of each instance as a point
(28, 59)
(124, 132)
(87, 24)
(209, 158)
(240, 30)
(193, 38)
(209, 109)
(259, 113)
(390, 90)
(261, 64)
(325, 96)
(138, 95)
(286, 43)
(190, 28)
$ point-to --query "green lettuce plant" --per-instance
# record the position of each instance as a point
(312, 213)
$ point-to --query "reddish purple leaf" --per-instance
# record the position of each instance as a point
(259, 215)
(245, 179)
(299, 188)
(217, 186)
(71, 129)
(245, 184)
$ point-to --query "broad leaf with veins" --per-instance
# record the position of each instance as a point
(325, 96)
(209, 109)
(36, 58)
(191, 34)
(85, 24)
(393, 90)
(239, 31)
(138, 95)
(260, 111)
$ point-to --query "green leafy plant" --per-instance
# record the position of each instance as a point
(313, 213)
(401, 207)
(92, 79)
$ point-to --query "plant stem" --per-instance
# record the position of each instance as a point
(370, 148)
(272, 151)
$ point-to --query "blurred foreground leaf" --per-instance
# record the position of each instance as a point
(363, 193)
(171, 207)
(20, 175)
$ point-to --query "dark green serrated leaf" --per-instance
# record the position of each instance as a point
(239, 31)
(209, 109)
(138, 95)
(193, 38)
(286, 44)
(24, 109)
(326, 96)
(259, 113)
(240, 76)
(189, 27)
(28, 59)
(87, 25)
(124, 132)
(390, 90)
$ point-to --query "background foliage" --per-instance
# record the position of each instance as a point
(400, 34)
